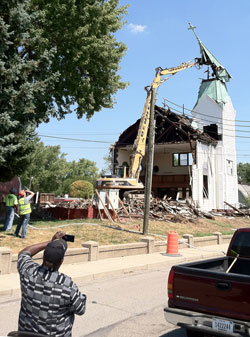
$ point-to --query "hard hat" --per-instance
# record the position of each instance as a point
(21, 193)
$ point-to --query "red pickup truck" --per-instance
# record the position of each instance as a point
(212, 297)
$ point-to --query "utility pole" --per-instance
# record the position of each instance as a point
(149, 162)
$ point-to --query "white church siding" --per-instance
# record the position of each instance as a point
(229, 155)
(224, 182)
(205, 166)
(206, 112)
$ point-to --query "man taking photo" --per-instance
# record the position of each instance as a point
(50, 299)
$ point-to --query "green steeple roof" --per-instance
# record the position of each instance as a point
(214, 87)
(207, 58)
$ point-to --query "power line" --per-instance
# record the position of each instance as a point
(199, 113)
(83, 148)
(104, 148)
(211, 121)
(195, 118)
(88, 134)
(78, 140)
(111, 142)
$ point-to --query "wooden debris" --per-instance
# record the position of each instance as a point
(234, 208)
(104, 207)
(164, 209)
(160, 209)
(77, 203)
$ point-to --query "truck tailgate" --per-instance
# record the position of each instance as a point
(212, 292)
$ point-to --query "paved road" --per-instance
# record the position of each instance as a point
(122, 306)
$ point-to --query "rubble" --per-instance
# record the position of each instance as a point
(61, 209)
(175, 210)
(160, 209)
(75, 203)
(165, 209)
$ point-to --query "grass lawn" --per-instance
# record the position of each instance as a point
(107, 234)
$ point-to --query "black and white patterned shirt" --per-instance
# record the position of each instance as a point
(49, 299)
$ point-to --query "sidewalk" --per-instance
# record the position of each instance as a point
(81, 272)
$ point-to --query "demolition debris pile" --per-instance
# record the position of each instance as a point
(77, 203)
(47, 210)
(176, 211)
(180, 211)
(163, 210)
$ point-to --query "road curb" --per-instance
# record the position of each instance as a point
(124, 266)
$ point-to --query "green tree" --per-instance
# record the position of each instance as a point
(81, 189)
(55, 56)
(50, 172)
(108, 165)
(20, 85)
(83, 169)
(243, 171)
(47, 169)
(87, 54)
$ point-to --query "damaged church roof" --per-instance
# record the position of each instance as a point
(170, 128)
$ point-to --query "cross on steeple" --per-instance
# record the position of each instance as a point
(191, 27)
(208, 58)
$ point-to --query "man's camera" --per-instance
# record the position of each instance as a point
(70, 238)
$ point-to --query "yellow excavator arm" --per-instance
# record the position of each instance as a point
(139, 146)
(131, 182)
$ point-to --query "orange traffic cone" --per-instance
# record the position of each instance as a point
(172, 245)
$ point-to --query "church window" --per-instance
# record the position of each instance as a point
(205, 186)
(230, 167)
(182, 159)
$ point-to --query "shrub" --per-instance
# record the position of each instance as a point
(81, 189)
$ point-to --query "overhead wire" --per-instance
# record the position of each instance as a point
(180, 112)
(88, 134)
(199, 113)
(213, 121)
(75, 139)
(195, 118)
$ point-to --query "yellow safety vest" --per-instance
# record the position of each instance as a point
(24, 208)
(10, 200)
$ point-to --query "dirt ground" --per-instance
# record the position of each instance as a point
(108, 234)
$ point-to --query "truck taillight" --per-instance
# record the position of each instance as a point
(171, 284)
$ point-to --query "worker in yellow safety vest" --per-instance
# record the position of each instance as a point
(10, 201)
(24, 211)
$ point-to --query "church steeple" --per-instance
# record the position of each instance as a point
(215, 86)
(207, 58)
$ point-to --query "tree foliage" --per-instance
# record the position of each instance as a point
(20, 85)
(55, 56)
(84, 169)
(87, 54)
(50, 172)
(81, 189)
(47, 169)
(243, 171)
(108, 165)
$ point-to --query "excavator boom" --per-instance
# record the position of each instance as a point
(139, 147)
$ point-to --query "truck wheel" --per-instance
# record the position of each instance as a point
(193, 333)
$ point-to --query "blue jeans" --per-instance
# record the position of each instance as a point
(23, 221)
(9, 217)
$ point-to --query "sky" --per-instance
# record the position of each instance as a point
(156, 35)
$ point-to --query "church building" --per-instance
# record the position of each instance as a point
(194, 156)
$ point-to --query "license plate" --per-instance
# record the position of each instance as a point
(222, 325)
